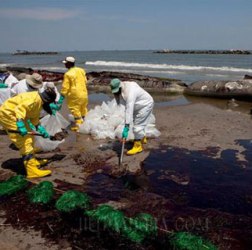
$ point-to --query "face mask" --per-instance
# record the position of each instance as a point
(46, 107)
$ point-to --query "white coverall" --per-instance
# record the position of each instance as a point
(23, 87)
(11, 81)
(138, 107)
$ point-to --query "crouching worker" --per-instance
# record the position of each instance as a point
(21, 113)
(138, 108)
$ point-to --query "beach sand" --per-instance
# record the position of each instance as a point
(195, 177)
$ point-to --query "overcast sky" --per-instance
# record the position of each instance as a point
(68, 25)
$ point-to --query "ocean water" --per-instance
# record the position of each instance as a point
(186, 67)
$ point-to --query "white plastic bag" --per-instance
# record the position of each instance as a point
(46, 145)
(102, 121)
(11, 81)
(151, 131)
(4, 95)
(62, 121)
(53, 125)
(107, 121)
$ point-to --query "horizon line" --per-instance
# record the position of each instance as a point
(97, 50)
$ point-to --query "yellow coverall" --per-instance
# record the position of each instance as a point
(75, 91)
(23, 106)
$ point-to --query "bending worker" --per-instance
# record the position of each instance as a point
(75, 91)
(138, 109)
(31, 83)
(15, 114)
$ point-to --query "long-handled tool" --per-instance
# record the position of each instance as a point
(122, 152)
(52, 138)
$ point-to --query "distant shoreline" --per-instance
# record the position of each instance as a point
(214, 52)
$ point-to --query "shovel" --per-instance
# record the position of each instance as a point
(52, 138)
(122, 152)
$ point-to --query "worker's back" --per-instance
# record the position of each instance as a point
(132, 92)
(74, 83)
(24, 105)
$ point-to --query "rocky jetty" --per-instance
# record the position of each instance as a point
(247, 77)
(240, 89)
(48, 76)
(215, 52)
(26, 52)
(99, 81)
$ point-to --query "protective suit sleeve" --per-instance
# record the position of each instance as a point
(65, 85)
(129, 109)
(35, 121)
(20, 110)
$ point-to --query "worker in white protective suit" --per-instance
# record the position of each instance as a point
(31, 83)
(138, 108)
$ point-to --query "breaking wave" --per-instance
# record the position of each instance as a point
(168, 67)
(6, 64)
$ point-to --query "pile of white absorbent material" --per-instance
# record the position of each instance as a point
(107, 121)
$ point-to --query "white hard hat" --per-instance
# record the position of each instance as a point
(70, 59)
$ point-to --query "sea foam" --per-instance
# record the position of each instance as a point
(167, 66)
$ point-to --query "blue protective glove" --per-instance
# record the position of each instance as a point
(54, 107)
(61, 99)
(125, 131)
(3, 85)
(43, 131)
(21, 127)
(32, 127)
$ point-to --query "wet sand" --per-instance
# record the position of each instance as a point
(195, 177)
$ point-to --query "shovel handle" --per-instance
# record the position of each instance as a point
(29, 133)
(18, 132)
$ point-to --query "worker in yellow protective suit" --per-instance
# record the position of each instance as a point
(20, 114)
(75, 91)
